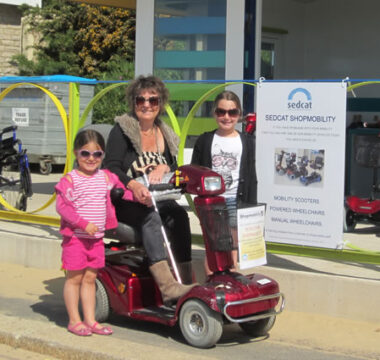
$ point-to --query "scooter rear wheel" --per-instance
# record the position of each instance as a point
(349, 221)
(102, 308)
(259, 327)
(200, 326)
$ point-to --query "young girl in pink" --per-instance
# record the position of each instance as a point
(84, 203)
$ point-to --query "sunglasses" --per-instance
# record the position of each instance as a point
(95, 154)
(153, 100)
(231, 112)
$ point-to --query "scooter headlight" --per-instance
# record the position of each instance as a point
(212, 183)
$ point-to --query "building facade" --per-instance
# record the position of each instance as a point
(14, 39)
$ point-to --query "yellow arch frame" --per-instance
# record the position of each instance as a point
(63, 114)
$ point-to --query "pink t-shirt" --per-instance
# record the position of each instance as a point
(89, 197)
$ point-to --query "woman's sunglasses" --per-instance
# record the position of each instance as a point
(231, 112)
(153, 100)
(95, 154)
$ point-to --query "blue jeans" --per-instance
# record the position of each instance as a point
(231, 204)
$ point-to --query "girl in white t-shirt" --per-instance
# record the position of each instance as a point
(232, 155)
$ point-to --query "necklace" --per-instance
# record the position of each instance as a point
(147, 132)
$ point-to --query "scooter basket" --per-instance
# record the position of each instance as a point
(367, 150)
(215, 226)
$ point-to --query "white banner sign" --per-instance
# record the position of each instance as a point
(300, 156)
(20, 116)
(252, 250)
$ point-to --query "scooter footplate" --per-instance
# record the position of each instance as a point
(162, 314)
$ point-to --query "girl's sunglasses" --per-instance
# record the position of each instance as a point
(231, 112)
(95, 154)
(153, 100)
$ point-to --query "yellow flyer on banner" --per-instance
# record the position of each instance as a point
(252, 251)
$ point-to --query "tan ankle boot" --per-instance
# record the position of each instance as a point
(171, 289)
(186, 272)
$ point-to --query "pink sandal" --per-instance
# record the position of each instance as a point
(105, 330)
(84, 331)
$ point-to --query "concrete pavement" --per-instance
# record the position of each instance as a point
(32, 317)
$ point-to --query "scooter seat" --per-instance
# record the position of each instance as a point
(125, 234)
(133, 254)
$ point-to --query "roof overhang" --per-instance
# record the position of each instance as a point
(128, 4)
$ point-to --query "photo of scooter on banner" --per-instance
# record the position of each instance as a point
(306, 165)
(126, 286)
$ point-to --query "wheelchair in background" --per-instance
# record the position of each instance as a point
(15, 179)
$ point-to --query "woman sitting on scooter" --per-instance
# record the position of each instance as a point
(141, 140)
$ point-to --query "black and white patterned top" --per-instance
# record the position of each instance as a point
(147, 162)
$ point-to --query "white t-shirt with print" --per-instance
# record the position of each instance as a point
(225, 156)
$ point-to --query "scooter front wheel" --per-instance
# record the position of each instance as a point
(102, 307)
(200, 326)
(259, 327)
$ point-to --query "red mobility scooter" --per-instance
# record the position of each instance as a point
(364, 209)
(126, 286)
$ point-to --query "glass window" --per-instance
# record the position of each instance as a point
(267, 60)
(190, 39)
(190, 44)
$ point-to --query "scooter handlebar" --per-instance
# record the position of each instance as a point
(161, 187)
(117, 193)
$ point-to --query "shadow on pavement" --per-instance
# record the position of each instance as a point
(165, 331)
(52, 305)
(232, 333)
(368, 230)
(35, 230)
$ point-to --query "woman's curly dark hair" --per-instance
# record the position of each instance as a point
(144, 83)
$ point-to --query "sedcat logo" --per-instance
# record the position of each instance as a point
(299, 99)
